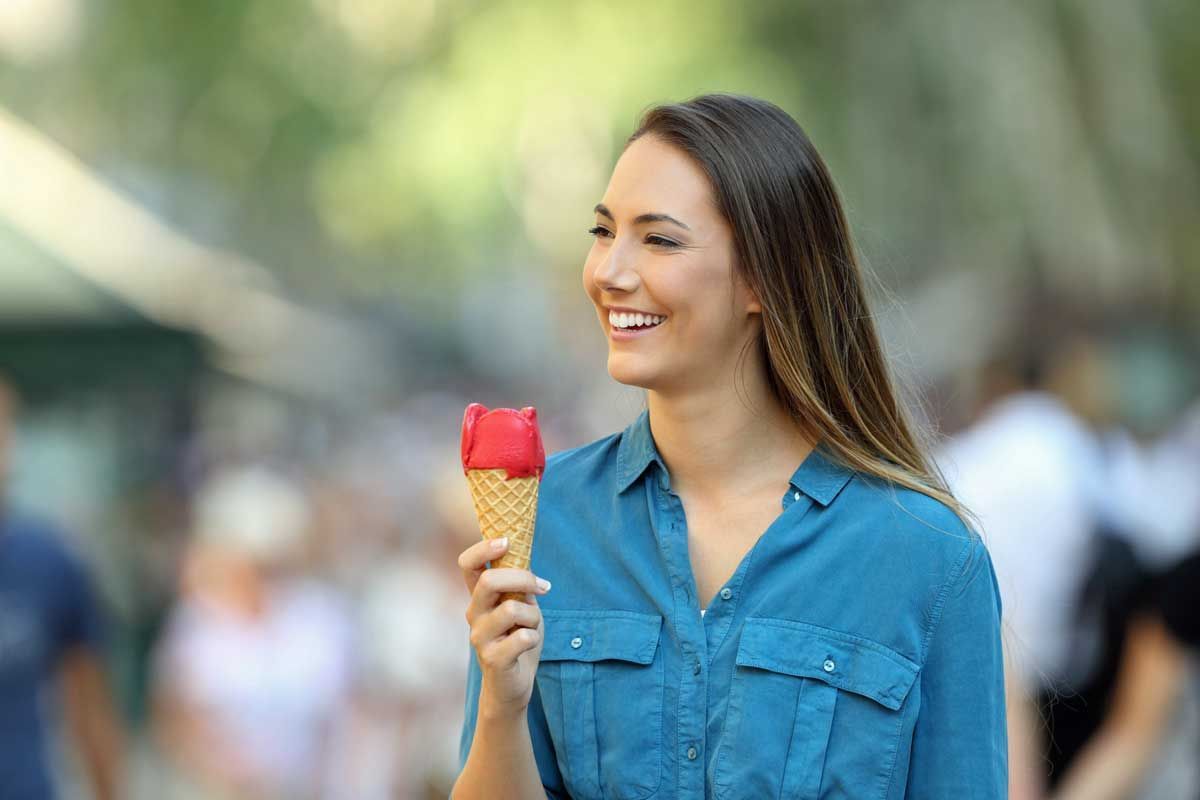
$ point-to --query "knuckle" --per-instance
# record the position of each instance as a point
(512, 609)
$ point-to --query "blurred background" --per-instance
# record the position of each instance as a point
(252, 253)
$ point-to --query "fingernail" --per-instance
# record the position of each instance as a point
(498, 544)
(543, 584)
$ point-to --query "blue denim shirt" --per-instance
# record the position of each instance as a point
(854, 653)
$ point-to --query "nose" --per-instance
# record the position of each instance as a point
(616, 272)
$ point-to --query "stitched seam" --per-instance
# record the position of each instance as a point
(936, 617)
(832, 680)
(887, 786)
(658, 739)
(663, 510)
(850, 638)
(590, 614)
(718, 787)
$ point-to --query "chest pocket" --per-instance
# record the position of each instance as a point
(798, 691)
(601, 684)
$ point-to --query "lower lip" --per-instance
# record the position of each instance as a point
(622, 334)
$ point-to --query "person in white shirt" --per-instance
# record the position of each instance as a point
(254, 667)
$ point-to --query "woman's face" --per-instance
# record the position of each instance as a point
(684, 274)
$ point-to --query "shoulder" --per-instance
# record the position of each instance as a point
(913, 527)
(36, 539)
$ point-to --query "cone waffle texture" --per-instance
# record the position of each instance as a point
(506, 508)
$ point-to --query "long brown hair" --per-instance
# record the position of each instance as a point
(794, 249)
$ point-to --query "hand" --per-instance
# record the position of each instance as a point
(507, 637)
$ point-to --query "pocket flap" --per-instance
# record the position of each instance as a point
(840, 659)
(597, 635)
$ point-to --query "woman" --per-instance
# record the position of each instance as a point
(763, 589)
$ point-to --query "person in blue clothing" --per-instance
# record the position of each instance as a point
(762, 587)
(50, 639)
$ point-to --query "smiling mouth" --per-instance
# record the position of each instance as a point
(634, 322)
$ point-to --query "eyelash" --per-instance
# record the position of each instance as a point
(662, 242)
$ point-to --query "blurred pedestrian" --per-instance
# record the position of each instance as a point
(1031, 467)
(254, 668)
(51, 638)
(1133, 730)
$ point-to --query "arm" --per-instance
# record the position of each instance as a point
(93, 720)
(1114, 760)
(502, 756)
(960, 746)
(86, 697)
(1026, 767)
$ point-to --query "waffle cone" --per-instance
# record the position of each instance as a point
(506, 507)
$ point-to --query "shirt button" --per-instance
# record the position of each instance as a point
(696, 667)
(795, 495)
(577, 643)
(691, 754)
(828, 665)
(726, 593)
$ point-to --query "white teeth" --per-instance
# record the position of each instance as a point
(630, 320)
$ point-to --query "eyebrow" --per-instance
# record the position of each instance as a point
(603, 209)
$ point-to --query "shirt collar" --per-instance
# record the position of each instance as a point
(819, 476)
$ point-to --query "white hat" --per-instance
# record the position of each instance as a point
(252, 510)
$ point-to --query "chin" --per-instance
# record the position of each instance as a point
(630, 377)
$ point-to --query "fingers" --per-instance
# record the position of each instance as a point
(473, 560)
(502, 653)
(492, 582)
(502, 620)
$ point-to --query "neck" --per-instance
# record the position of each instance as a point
(718, 443)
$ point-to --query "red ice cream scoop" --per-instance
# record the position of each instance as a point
(503, 438)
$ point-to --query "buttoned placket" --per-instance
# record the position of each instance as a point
(692, 719)
(699, 635)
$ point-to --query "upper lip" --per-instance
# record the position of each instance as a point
(623, 310)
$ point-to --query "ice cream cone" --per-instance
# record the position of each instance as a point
(503, 460)
(506, 507)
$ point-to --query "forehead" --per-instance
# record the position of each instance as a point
(651, 176)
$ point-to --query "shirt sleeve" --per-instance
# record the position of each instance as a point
(79, 619)
(539, 732)
(960, 743)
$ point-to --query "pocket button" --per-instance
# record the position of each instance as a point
(577, 643)
(828, 665)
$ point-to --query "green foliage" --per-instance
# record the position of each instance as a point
(400, 148)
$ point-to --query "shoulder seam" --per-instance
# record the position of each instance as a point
(956, 573)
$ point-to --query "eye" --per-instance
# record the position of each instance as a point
(657, 241)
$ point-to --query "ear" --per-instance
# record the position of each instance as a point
(754, 306)
(746, 294)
